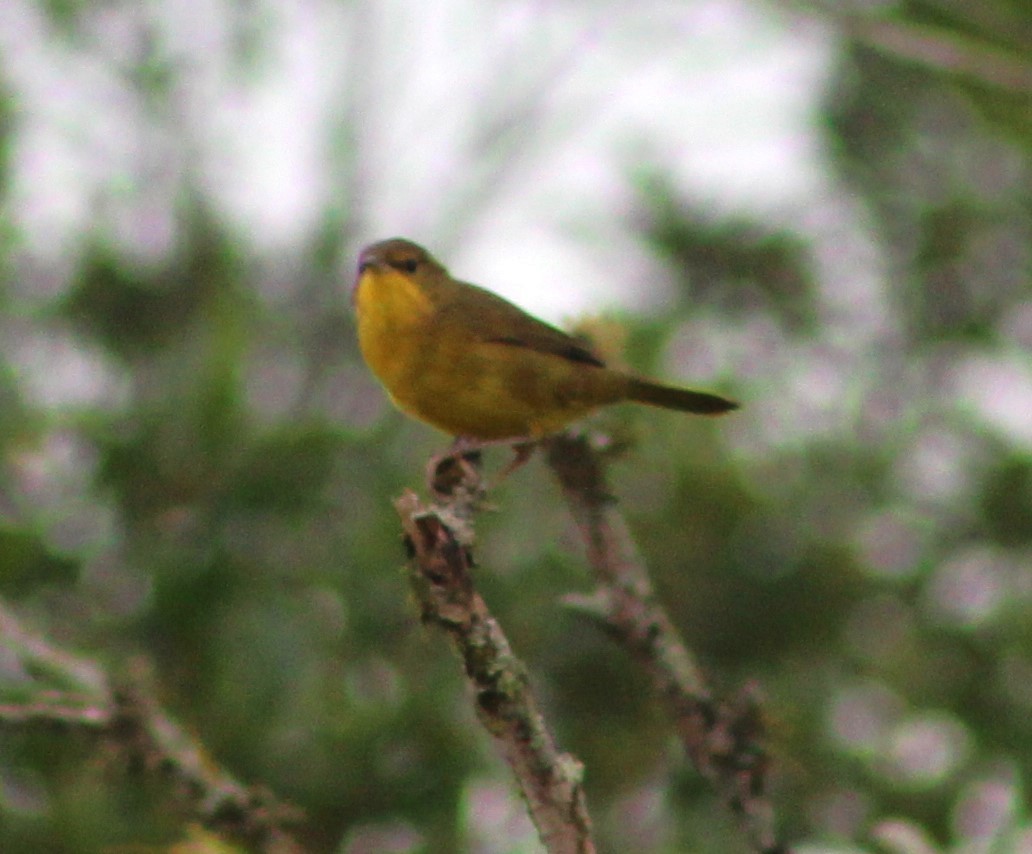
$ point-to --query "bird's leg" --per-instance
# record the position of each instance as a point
(461, 462)
(523, 450)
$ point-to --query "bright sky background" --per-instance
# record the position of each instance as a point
(722, 91)
(503, 136)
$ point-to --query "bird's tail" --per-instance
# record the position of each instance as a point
(683, 399)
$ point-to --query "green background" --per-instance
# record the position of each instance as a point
(856, 541)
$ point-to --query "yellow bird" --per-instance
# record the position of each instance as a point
(474, 365)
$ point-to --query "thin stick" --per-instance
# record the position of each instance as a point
(550, 780)
(130, 718)
(723, 741)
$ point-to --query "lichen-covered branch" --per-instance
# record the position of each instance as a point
(723, 740)
(59, 689)
(549, 779)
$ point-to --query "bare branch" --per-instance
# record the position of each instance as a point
(723, 740)
(130, 718)
(549, 779)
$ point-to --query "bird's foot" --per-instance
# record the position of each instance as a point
(460, 466)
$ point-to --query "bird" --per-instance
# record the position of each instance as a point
(472, 364)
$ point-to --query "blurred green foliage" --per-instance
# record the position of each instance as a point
(218, 500)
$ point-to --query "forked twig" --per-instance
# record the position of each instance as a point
(723, 740)
(70, 691)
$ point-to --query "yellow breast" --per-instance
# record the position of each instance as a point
(392, 314)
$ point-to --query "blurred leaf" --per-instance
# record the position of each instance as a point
(133, 310)
(1007, 502)
(65, 14)
(200, 841)
(156, 470)
(734, 264)
(130, 310)
(27, 563)
(8, 127)
(287, 472)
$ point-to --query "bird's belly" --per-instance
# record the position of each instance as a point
(491, 391)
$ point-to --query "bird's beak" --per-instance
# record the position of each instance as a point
(366, 261)
(370, 258)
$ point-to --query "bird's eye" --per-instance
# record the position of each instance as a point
(407, 265)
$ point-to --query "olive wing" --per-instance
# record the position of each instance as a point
(487, 317)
